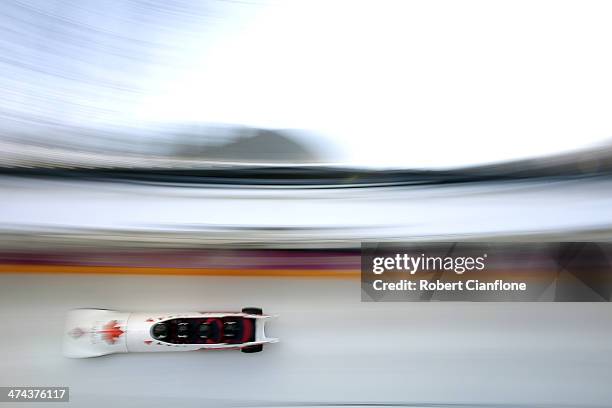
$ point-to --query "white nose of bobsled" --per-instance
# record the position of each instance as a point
(95, 332)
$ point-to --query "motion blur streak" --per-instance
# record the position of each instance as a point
(240, 151)
(435, 84)
(126, 270)
(49, 213)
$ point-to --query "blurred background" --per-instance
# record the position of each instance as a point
(170, 155)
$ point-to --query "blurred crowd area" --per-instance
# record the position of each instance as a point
(233, 126)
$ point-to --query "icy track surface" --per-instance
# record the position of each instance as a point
(333, 350)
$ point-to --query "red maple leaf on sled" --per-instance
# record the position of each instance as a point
(111, 331)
